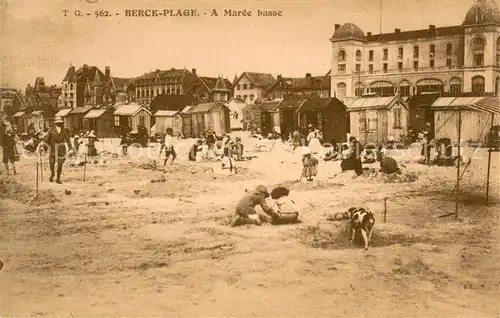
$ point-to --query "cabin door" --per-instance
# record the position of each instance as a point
(216, 121)
(266, 123)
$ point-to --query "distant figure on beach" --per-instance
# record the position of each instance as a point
(57, 139)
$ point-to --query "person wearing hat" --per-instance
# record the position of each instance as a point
(8, 142)
(56, 140)
(195, 150)
(245, 209)
(238, 147)
(391, 143)
(91, 149)
(310, 164)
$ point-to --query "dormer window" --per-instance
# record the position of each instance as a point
(479, 16)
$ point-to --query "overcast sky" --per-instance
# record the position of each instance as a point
(37, 40)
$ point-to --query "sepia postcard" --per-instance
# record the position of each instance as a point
(254, 158)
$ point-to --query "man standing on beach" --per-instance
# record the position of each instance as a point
(56, 139)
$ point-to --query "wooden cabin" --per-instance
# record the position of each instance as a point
(288, 108)
(63, 113)
(130, 117)
(475, 113)
(420, 111)
(210, 116)
(168, 119)
(329, 115)
(100, 121)
(187, 127)
(75, 118)
(236, 113)
(374, 119)
(18, 118)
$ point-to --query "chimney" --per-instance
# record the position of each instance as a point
(308, 75)
(432, 27)
(193, 71)
(85, 68)
(157, 70)
(172, 69)
(397, 30)
(368, 34)
(337, 26)
(107, 71)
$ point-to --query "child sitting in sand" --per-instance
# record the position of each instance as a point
(284, 209)
(245, 210)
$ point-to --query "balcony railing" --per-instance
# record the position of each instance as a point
(424, 69)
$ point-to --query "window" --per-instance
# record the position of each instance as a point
(478, 60)
(117, 121)
(341, 56)
(400, 53)
(129, 121)
(370, 68)
(65, 86)
(455, 86)
(359, 89)
(341, 91)
(415, 65)
(386, 54)
(448, 62)
(432, 51)
(245, 97)
(358, 67)
(431, 63)
(250, 86)
(397, 117)
(404, 88)
(238, 97)
(429, 85)
(252, 97)
(370, 55)
(478, 84)
(400, 65)
(244, 86)
(341, 68)
(358, 55)
(238, 87)
(479, 16)
(382, 88)
(498, 60)
(448, 49)
(415, 52)
(385, 67)
(71, 86)
(498, 52)
(362, 121)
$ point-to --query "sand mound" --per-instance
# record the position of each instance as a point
(11, 189)
(375, 175)
(336, 236)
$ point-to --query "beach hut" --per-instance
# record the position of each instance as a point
(236, 113)
(288, 112)
(329, 115)
(131, 116)
(36, 119)
(475, 118)
(100, 121)
(63, 113)
(420, 111)
(19, 121)
(210, 116)
(75, 118)
(374, 119)
(187, 129)
(168, 119)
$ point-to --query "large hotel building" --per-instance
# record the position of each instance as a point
(450, 60)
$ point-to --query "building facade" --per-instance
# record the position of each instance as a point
(87, 86)
(212, 89)
(171, 82)
(318, 86)
(251, 86)
(449, 60)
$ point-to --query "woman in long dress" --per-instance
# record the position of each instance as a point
(314, 141)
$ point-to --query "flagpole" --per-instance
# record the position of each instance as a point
(381, 16)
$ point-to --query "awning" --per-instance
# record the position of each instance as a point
(80, 110)
(488, 104)
(166, 113)
(63, 113)
(94, 113)
(36, 113)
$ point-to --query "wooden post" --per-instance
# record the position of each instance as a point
(37, 164)
(385, 209)
(41, 169)
(489, 163)
(84, 167)
(458, 161)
